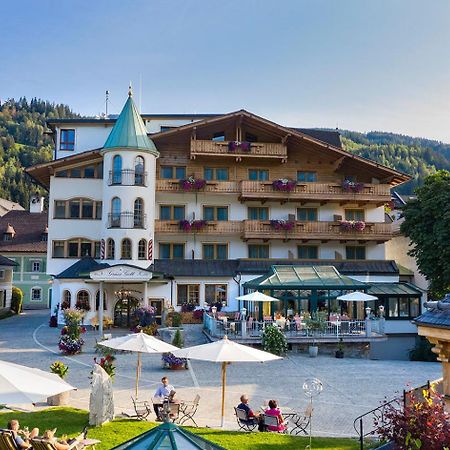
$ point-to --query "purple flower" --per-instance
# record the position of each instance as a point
(282, 225)
(283, 184)
(171, 360)
(352, 186)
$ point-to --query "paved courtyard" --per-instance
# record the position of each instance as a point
(351, 386)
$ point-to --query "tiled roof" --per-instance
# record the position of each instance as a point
(330, 137)
(82, 268)
(437, 315)
(4, 261)
(28, 229)
(7, 205)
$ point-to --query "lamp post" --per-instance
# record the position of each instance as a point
(368, 322)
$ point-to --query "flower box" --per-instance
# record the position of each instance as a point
(193, 225)
(284, 185)
(192, 184)
(173, 363)
(352, 225)
(282, 225)
(352, 186)
(238, 145)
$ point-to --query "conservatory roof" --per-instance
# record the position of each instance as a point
(406, 289)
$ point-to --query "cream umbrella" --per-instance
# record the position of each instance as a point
(225, 352)
(257, 297)
(139, 343)
(21, 384)
(357, 297)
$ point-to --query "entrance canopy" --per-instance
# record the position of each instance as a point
(122, 273)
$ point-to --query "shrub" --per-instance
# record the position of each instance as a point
(60, 369)
(107, 364)
(176, 319)
(422, 351)
(178, 339)
(274, 341)
(16, 300)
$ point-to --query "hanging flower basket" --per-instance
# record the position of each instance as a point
(192, 184)
(193, 225)
(350, 225)
(238, 145)
(282, 225)
(284, 184)
(352, 186)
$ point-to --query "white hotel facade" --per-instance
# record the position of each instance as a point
(120, 220)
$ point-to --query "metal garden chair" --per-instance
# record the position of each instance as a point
(188, 410)
(142, 409)
(244, 422)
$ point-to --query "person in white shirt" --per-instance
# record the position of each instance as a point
(161, 394)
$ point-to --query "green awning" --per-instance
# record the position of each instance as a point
(393, 289)
(305, 277)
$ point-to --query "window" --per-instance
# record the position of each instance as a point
(309, 177)
(216, 173)
(249, 137)
(78, 208)
(171, 212)
(66, 299)
(86, 248)
(307, 214)
(258, 174)
(58, 249)
(2, 274)
(215, 251)
(188, 293)
(75, 173)
(258, 213)
(139, 167)
(219, 137)
(117, 170)
(36, 266)
(142, 249)
(60, 209)
(173, 172)
(171, 251)
(98, 210)
(354, 214)
(89, 172)
(67, 141)
(403, 307)
(258, 251)
(74, 209)
(62, 174)
(115, 212)
(83, 300)
(97, 247)
(355, 252)
(414, 307)
(7, 236)
(76, 248)
(110, 249)
(216, 293)
(307, 252)
(97, 301)
(139, 213)
(215, 212)
(126, 249)
(87, 210)
(73, 249)
(36, 294)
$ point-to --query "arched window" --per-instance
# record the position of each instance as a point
(97, 301)
(66, 299)
(115, 212)
(142, 249)
(139, 168)
(117, 170)
(110, 249)
(126, 249)
(83, 301)
(139, 213)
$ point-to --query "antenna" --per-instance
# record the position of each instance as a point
(106, 103)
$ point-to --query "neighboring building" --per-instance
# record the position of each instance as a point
(255, 194)
(23, 239)
(6, 206)
(6, 276)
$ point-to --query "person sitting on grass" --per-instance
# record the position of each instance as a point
(253, 417)
(59, 444)
(22, 442)
(273, 410)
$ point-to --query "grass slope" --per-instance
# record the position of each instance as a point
(71, 421)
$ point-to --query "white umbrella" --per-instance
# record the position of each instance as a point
(140, 343)
(357, 297)
(21, 384)
(226, 352)
(257, 297)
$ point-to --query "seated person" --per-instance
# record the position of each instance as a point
(252, 416)
(165, 392)
(22, 442)
(345, 316)
(61, 444)
(273, 410)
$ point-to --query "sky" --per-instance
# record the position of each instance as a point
(354, 64)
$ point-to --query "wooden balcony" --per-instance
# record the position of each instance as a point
(314, 192)
(221, 149)
(218, 187)
(218, 227)
(323, 231)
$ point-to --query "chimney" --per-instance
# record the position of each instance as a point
(36, 204)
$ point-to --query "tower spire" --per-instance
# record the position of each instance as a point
(130, 90)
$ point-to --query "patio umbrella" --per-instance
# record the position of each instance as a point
(225, 352)
(257, 297)
(21, 384)
(357, 297)
(139, 343)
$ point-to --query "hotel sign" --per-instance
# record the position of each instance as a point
(121, 273)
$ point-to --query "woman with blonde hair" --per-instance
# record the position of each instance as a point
(49, 435)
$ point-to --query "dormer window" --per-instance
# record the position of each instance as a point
(9, 234)
(67, 140)
(44, 234)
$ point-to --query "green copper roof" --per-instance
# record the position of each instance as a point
(129, 131)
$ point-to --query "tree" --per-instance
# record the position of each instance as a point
(16, 300)
(274, 341)
(427, 224)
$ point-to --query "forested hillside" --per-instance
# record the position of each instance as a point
(415, 156)
(23, 143)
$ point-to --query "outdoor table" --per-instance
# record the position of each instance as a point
(90, 443)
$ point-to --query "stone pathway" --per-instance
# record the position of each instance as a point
(351, 386)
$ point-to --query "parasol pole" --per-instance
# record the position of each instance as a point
(224, 381)
(138, 371)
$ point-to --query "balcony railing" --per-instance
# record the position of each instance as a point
(211, 228)
(253, 149)
(263, 229)
(127, 220)
(127, 178)
(219, 187)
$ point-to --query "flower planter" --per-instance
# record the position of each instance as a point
(313, 351)
(59, 399)
(177, 366)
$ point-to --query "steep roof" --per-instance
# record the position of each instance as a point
(4, 261)
(129, 131)
(327, 136)
(437, 315)
(82, 268)
(7, 205)
(28, 228)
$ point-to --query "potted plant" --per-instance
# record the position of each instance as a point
(274, 341)
(340, 351)
(60, 369)
(70, 342)
(107, 364)
(172, 362)
(313, 349)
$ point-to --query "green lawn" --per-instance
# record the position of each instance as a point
(71, 421)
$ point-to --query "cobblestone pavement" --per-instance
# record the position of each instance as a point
(351, 386)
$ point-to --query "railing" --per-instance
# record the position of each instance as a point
(211, 227)
(262, 229)
(257, 149)
(127, 177)
(127, 220)
(220, 187)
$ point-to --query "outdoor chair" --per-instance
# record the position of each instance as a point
(142, 409)
(7, 441)
(45, 444)
(174, 410)
(244, 422)
(272, 421)
(300, 422)
(188, 410)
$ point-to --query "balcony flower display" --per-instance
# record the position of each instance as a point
(284, 184)
(352, 186)
(349, 225)
(192, 225)
(192, 184)
(238, 145)
(284, 225)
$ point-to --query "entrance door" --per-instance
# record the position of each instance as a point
(158, 304)
(124, 312)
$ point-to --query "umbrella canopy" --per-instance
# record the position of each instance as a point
(225, 352)
(139, 343)
(168, 436)
(357, 297)
(257, 297)
(21, 384)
